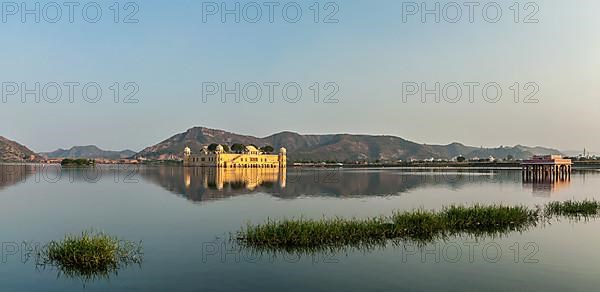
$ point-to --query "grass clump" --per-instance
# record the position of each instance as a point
(573, 209)
(488, 220)
(419, 226)
(89, 255)
(289, 234)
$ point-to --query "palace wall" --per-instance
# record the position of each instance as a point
(235, 160)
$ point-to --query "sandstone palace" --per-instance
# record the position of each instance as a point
(249, 157)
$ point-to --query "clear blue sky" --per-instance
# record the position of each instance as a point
(369, 53)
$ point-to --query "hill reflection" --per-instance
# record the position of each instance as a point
(205, 184)
(13, 174)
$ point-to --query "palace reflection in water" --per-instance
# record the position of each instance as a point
(205, 184)
(214, 183)
(202, 184)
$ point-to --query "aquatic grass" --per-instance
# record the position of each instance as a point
(89, 255)
(573, 209)
(309, 234)
(419, 226)
(488, 220)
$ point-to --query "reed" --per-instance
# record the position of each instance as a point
(89, 255)
(573, 209)
(419, 226)
(312, 234)
(489, 220)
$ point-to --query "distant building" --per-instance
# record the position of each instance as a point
(547, 166)
(249, 158)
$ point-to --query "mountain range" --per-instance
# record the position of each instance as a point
(335, 147)
(90, 152)
(330, 147)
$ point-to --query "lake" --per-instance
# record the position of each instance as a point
(185, 216)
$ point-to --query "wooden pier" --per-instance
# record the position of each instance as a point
(546, 167)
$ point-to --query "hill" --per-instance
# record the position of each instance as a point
(11, 151)
(335, 147)
(89, 152)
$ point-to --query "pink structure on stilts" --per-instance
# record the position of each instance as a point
(546, 167)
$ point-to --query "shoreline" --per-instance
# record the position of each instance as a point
(416, 165)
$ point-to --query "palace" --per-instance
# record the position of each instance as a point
(249, 158)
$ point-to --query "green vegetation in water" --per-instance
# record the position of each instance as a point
(417, 226)
(77, 162)
(90, 255)
(573, 209)
(476, 220)
(420, 226)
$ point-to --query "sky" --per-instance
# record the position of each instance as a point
(361, 67)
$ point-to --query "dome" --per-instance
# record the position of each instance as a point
(187, 150)
(219, 148)
(251, 148)
(282, 150)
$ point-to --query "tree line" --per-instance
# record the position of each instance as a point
(238, 147)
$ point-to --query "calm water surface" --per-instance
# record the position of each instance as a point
(184, 216)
